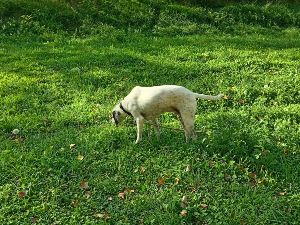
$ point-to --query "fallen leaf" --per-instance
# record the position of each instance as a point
(226, 97)
(104, 216)
(183, 213)
(84, 184)
(265, 152)
(188, 168)
(34, 219)
(74, 203)
(16, 131)
(72, 146)
(22, 194)
(241, 101)
(184, 202)
(121, 195)
(110, 199)
(80, 157)
(252, 183)
(243, 221)
(161, 181)
(177, 180)
(204, 206)
(227, 177)
(99, 215)
(87, 194)
(281, 193)
(193, 189)
(252, 175)
(142, 169)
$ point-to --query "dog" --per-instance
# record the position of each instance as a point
(148, 103)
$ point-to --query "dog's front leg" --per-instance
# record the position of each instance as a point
(139, 124)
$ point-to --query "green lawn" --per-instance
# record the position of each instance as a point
(242, 169)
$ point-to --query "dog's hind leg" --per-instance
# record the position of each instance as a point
(155, 123)
(188, 120)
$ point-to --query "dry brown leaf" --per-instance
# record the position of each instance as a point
(72, 146)
(243, 221)
(121, 195)
(103, 216)
(74, 203)
(184, 202)
(241, 101)
(227, 177)
(84, 184)
(183, 213)
(99, 215)
(87, 194)
(110, 199)
(34, 220)
(161, 181)
(177, 180)
(204, 206)
(265, 152)
(252, 175)
(188, 168)
(142, 169)
(22, 194)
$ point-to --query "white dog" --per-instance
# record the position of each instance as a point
(147, 103)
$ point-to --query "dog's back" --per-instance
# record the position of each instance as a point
(158, 99)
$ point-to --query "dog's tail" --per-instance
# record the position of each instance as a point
(209, 97)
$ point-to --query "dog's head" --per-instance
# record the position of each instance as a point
(118, 114)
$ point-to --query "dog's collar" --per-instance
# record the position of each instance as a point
(124, 110)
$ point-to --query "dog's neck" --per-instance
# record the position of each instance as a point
(124, 110)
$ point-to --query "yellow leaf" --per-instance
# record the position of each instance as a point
(80, 157)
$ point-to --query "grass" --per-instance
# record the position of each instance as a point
(243, 168)
(64, 66)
